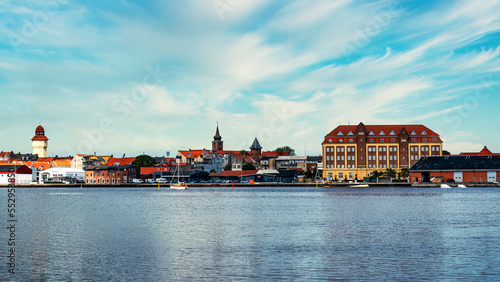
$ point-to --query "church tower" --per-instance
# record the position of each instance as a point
(217, 143)
(255, 149)
(40, 142)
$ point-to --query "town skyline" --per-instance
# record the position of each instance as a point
(158, 76)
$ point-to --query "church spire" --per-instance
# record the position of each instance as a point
(217, 136)
(217, 143)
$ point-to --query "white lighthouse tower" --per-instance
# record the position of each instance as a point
(40, 142)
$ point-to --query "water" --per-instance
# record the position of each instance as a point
(151, 234)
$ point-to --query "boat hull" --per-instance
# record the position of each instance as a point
(178, 186)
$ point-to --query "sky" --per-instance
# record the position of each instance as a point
(127, 77)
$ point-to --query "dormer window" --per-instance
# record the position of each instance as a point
(392, 132)
(340, 133)
(423, 132)
(381, 133)
(350, 133)
(371, 133)
(413, 133)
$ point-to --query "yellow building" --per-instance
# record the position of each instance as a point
(354, 151)
(39, 142)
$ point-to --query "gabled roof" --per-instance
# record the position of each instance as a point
(484, 152)
(255, 144)
(376, 130)
(120, 161)
(21, 169)
(457, 163)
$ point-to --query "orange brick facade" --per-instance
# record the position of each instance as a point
(110, 175)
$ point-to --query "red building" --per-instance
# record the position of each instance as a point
(111, 174)
(475, 168)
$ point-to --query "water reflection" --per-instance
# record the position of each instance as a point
(262, 234)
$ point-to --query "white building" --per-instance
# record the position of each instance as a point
(66, 175)
(40, 142)
(21, 173)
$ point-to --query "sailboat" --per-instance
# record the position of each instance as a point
(179, 185)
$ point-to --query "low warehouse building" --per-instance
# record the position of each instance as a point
(457, 169)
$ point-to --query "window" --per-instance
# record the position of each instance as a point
(341, 175)
(381, 133)
(393, 140)
(351, 175)
(424, 140)
(330, 140)
(350, 140)
(341, 140)
(338, 149)
(113, 181)
(350, 133)
(371, 133)
(423, 132)
(434, 139)
(392, 132)
(382, 140)
(371, 140)
(380, 149)
(342, 149)
(413, 133)
(340, 133)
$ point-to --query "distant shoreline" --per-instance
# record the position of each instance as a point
(264, 184)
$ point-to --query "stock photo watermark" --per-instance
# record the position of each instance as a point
(364, 34)
(123, 107)
(32, 26)
(222, 7)
(11, 221)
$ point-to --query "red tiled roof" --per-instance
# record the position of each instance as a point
(229, 173)
(120, 161)
(378, 132)
(40, 165)
(150, 170)
(275, 154)
(484, 152)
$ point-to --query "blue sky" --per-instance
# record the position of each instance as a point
(126, 76)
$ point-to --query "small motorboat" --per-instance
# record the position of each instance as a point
(445, 186)
(461, 186)
(360, 186)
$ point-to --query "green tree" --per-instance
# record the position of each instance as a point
(404, 173)
(377, 173)
(144, 161)
(228, 167)
(446, 153)
(390, 172)
(285, 149)
(248, 167)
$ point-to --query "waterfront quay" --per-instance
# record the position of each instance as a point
(269, 184)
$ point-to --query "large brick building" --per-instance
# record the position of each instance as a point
(354, 151)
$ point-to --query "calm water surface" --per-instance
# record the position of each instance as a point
(150, 234)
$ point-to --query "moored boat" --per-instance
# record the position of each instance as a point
(445, 186)
(360, 186)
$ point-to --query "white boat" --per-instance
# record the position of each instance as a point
(360, 186)
(179, 185)
(461, 186)
(445, 186)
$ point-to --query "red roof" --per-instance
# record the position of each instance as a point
(484, 152)
(378, 132)
(120, 161)
(229, 173)
(275, 154)
(151, 170)
(40, 128)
